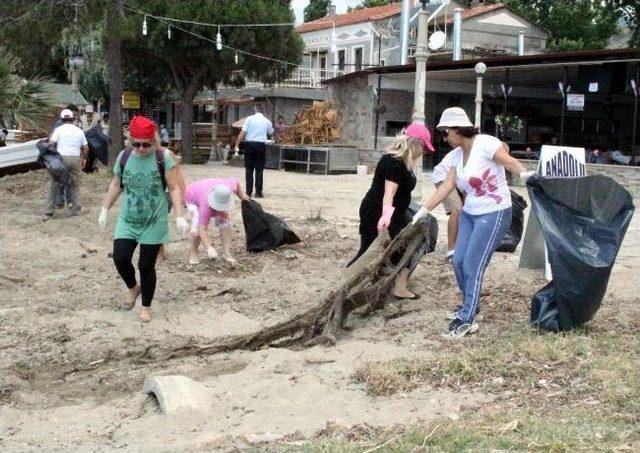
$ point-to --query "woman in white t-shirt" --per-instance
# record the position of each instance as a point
(478, 169)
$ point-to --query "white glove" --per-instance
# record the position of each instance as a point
(525, 175)
(422, 212)
(212, 254)
(102, 218)
(183, 225)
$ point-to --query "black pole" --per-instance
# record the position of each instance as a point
(564, 103)
(635, 116)
(375, 137)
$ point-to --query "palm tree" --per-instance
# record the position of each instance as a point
(25, 104)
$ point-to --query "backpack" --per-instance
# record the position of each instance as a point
(126, 153)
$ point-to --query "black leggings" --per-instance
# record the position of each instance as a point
(122, 256)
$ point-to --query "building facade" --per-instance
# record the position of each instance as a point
(344, 43)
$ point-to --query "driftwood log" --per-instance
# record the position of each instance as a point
(366, 284)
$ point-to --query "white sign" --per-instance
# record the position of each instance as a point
(560, 162)
(575, 102)
(315, 41)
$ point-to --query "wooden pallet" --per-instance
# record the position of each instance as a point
(315, 124)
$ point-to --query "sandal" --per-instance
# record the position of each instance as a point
(413, 297)
(129, 304)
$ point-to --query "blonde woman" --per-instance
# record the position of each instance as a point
(385, 204)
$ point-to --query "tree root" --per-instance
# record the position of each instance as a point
(367, 283)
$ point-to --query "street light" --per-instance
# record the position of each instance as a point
(420, 56)
(480, 69)
(75, 62)
(636, 92)
(564, 91)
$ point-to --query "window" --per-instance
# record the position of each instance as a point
(357, 58)
(342, 57)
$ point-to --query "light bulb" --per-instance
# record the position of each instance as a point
(236, 58)
(219, 40)
(169, 32)
(144, 26)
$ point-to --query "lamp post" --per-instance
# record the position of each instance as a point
(421, 66)
(480, 69)
(564, 90)
(636, 92)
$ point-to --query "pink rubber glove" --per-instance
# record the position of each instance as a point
(385, 218)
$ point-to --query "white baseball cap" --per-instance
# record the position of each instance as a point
(66, 113)
(454, 117)
(220, 198)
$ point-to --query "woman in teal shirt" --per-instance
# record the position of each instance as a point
(144, 213)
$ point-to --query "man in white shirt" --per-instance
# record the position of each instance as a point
(72, 146)
(89, 118)
(254, 134)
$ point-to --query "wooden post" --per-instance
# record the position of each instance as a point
(215, 152)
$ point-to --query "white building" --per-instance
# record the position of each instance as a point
(343, 43)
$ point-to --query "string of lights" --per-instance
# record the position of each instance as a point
(217, 41)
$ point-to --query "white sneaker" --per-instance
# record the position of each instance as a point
(458, 328)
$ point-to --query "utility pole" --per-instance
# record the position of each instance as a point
(635, 86)
(422, 52)
(378, 94)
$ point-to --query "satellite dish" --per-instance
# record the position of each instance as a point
(437, 40)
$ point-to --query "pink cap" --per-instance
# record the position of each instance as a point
(419, 131)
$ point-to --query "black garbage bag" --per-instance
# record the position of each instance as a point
(583, 221)
(52, 161)
(513, 235)
(264, 231)
(98, 148)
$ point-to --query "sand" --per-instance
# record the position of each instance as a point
(59, 298)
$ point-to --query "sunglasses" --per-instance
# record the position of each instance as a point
(444, 133)
(141, 144)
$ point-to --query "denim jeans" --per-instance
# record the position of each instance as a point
(478, 237)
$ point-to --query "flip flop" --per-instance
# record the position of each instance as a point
(127, 306)
(414, 297)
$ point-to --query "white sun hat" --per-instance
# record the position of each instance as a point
(220, 198)
(66, 113)
(454, 117)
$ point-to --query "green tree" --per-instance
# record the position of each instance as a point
(42, 32)
(23, 103)
(39, 54)
(316, 9)
(630, 12)
(574, 25)
(193, 63)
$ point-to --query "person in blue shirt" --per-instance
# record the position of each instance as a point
(255, 132)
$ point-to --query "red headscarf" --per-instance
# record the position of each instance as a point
(141, 127)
